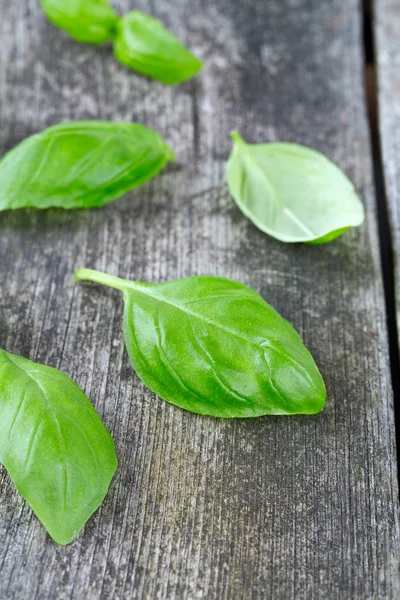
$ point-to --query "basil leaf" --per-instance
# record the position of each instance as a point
(142, 43)
(53, 444)
(215, 347)
(89, 21)
(81, 164)
(291, 192)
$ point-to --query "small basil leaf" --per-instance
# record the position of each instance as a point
(89, 21)
(291, 192)
(81, 164)
(144, 45)
(215, 347)
(53, 444)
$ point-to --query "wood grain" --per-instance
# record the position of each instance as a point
(277, 508)
(387, 32)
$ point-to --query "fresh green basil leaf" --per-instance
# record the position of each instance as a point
(215, 347)
(143, 44)
(89, 21)
(291, 192)
(53, 444)
(81, 164)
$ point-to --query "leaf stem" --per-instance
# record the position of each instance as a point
(102, 278)
(171, 156)
(237, 138)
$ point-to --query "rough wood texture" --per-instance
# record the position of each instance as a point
(279, 508)
(387, 32)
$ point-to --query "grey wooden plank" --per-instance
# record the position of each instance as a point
(280, 508)
(387, 33)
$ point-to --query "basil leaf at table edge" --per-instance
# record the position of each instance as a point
(292, 192)
(53, 445)
(214, 347)
(87, 21)
(80, 164)
(143, 44)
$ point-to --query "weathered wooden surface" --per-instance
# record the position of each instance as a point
(387, 31)
(277, 508)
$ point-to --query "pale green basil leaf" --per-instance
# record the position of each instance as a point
(81, 164)
(215, 347)
(144, 45)
(291, 192)
(53, 444)
(89, 21)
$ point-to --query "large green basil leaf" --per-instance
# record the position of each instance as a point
(53, 444)
(215, 347)
(81, 164)
(90, 21)
(291, 192)
(143, 44)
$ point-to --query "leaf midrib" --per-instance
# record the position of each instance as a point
(194, 314)
(291, 215)
(260, 347)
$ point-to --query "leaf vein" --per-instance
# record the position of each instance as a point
(225, 386)
(60, 437)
